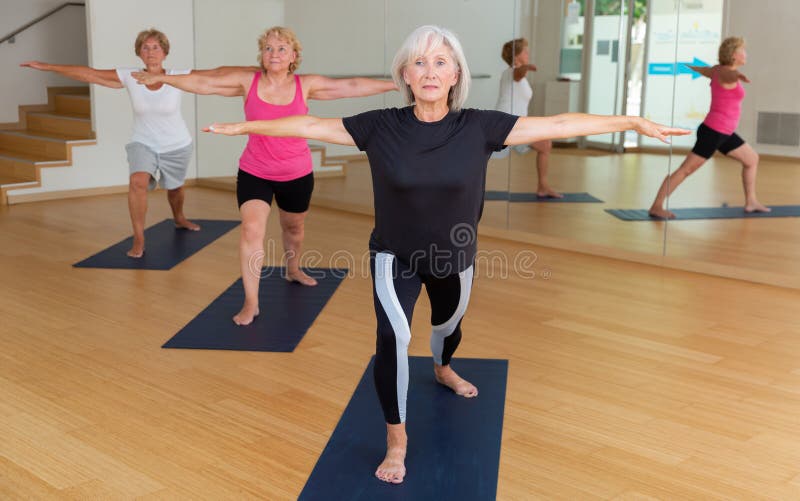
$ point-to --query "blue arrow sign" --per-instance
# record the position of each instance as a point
(680, 68)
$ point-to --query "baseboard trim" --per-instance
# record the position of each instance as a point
(13, 199)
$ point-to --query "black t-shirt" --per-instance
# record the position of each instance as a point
(428, 180)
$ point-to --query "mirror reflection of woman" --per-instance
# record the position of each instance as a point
(428, 164)
(718, 130)
(279, 168)
(514, 97)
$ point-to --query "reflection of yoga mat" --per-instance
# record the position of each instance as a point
(454, 442)
(533, 197)
(707, 213)
(165, 246)
(287, 311)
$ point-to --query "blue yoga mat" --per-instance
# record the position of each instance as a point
(165, 246)
(707, 213)
(287, 311)
(533, 197)
(454, 442)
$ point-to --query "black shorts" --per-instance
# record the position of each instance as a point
(291, 196)
(709, 140)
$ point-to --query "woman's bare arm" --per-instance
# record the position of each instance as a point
(329, 130)
(106, 78)
(223, 83)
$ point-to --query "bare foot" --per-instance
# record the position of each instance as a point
(393, 468)
(137, 249)
(549, 193)
(246, 316)
(301, 277)
(186, 224)
(661, 213)
(756, 207)
(447, 376)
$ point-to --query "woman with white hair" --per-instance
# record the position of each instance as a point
(428, 164)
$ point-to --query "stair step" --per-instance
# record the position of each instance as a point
(17, 168)
(76, 104)
(28, 146)
(70, 124)
(28, 158)
(8, 179)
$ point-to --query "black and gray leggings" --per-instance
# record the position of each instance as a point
(396, 288)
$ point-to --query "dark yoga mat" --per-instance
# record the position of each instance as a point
(454, 442)
(707, 213)
(533, 197)
(165, 246)
(287, 311)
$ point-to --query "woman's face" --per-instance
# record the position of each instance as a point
(739, 56)
(522, 57)
(277, 55)
(151, 53)
(432, 75)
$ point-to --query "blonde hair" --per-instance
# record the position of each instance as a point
(421, 41)
(143, 35)
(285, 34)
(727, 48)
(512, 48)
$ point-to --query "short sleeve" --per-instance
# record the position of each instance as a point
(124, 75)
(496, 127)
(361, 127)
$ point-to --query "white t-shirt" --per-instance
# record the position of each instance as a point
(157, 120)
(514, 96)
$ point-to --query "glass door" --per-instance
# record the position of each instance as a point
(607, 38)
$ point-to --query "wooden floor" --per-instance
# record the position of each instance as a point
(760, 249)
(626, 381)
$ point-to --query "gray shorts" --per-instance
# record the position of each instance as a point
(167, 169)
(519, 148)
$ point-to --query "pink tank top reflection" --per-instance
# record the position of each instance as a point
(275, 158)
(726, 107)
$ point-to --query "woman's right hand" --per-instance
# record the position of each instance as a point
(37, 65)
(145, 78)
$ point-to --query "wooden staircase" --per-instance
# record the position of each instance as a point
(44, 137)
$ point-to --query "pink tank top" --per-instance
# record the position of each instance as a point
(726, 106)
(275, 158)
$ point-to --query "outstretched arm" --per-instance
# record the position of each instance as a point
(731, 76)
(522, 70)
(321, 87)
(530, 129)
(329, 130)
(225, 70)
(703, 70)
(106, 78)
(221, 81)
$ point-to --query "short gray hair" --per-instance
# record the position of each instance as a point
(419, 42)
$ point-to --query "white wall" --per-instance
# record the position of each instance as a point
(112, 26)
(226, 34)
(770, 30)
(59, 38)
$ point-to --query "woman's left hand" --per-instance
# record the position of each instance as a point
(228, 129)
(658, 131)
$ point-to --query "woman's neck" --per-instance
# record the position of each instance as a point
(273, 78)
(155, 69)
(431, 111)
